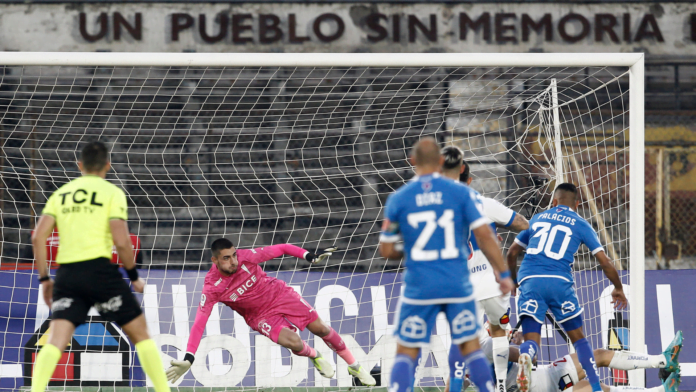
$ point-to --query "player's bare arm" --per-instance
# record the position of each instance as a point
(388, 251)
(389, 246)
(124, 248)
(511, 256)
(43, 229)
(519, 223)
(618, 297)
(491, 249)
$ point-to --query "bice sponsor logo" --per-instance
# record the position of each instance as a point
(243, 288)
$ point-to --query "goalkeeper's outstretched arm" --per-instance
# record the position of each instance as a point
(261, 255)
(179, 368)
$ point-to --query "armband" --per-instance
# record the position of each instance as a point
(505, 274)
(389, 227)
(132, 274)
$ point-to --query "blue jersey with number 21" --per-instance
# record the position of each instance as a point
(553, 238)
(434, 216)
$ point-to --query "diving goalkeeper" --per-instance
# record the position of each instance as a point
(268, 305)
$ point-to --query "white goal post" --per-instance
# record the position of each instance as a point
(633, 62)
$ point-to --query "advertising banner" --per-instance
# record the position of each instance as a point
(654, 28)
(360, 307)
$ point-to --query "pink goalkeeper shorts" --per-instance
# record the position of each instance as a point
(289, 311)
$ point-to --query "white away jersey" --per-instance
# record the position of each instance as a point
(480, 271)
(558, 376)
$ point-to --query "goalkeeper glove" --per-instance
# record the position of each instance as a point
(318, 258)
(179, 368)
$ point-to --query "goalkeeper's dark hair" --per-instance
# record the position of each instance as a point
(466, 173)
(94, 156)
(453, 157)
(220, 244)
(568, 189)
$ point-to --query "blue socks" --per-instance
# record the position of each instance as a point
(479, 371)
(403, 374)
(529, 347)
(456, 366)
(586, 358)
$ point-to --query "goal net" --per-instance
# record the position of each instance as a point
(304, 152)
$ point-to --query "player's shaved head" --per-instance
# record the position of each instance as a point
(220, 244)
(566, 194)
(426, 154)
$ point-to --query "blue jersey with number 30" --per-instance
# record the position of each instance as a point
(434, 216)
(553, 238)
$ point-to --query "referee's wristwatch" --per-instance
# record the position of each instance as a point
(44, 278)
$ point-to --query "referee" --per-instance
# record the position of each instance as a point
(91, 215)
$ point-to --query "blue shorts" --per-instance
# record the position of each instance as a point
(415, 322)
(537, 295)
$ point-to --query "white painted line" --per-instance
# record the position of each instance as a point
(181, 318)
(688, 369)
(664, 308)
(13, 370)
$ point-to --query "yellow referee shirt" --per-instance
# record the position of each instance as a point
(82, 209)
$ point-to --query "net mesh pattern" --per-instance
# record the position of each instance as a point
(308, 156)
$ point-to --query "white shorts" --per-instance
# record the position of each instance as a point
(560, 375)
(497, 309)
(482, 277)
(487, 291)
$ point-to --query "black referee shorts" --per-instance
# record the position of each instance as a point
(98, 283)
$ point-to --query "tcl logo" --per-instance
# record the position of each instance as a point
(246, 285)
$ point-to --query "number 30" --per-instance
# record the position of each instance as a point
(546, 238)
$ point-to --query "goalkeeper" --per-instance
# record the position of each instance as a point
(268, 305)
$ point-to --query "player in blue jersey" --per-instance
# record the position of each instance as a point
(546, 279)
(434, 216)
(494, 304)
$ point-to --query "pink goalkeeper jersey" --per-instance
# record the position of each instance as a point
(248, 291)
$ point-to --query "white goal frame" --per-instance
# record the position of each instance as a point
(634, 61)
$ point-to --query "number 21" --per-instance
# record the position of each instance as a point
(446, 222)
